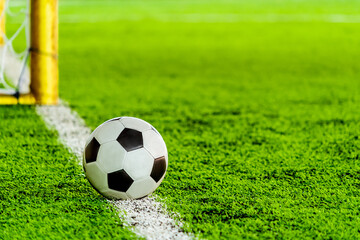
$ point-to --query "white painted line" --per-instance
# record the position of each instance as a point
(144, 212)
(146, 217)
(212, 18)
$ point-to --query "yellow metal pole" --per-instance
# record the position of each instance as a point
(44, 51)
(2, 22)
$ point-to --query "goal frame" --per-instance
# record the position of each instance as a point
(44, 73)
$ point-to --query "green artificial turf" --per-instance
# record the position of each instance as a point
(43, 192)
(260, 113)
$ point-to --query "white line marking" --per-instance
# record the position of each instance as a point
(212, 18)
(147, 217)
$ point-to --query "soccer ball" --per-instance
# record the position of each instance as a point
(125, 158)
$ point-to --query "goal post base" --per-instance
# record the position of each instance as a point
(25, 99)
(43, 53)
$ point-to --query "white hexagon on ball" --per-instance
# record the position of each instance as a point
(135, 123)
(142, 187)
(112, 194)
(111, 156)
(138, 163)
(108, 131)
(155, 144)
(96, 176)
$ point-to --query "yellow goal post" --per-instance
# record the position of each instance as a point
(43, 53)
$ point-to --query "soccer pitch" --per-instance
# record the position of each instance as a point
(257, 101)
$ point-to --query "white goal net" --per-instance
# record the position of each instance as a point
(14, 47)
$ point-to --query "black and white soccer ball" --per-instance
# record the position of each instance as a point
(125, 158)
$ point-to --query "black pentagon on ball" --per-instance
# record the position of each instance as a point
(158, 169)
(91, 151)
(130, 139)
(119, 180)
